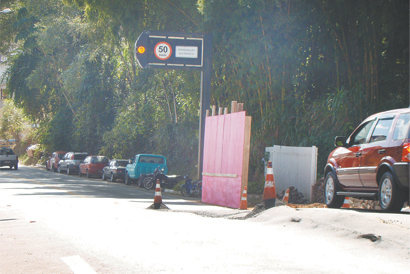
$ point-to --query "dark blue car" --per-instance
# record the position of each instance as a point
(115, 170)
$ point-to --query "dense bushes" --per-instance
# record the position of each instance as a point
(306, 71)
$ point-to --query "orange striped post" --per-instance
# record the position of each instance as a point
(269, 192)
(285, 199)
(244, 199)
(158, 196)
(346, 203)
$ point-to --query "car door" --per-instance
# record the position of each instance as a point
(63, 162)
(84, 165)
(374, 151)
(133, 170)
(349, 158)
(107, 169)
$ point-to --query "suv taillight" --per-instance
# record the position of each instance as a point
(72, 157)
(406, 152)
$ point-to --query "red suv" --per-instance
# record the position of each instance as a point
(373, 163)
(52, 163)
(93, 165)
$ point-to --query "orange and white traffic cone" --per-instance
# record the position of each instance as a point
(285, 199)
(269, 192)
(346, 203)
(158, 196)
(244, 199)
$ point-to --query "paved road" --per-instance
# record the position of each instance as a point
(55, 223)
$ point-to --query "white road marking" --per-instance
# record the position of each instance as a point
(78, 265)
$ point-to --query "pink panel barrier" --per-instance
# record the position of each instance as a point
(223, 159)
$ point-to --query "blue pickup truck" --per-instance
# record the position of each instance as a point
(142, 164)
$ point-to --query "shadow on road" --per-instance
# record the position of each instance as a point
(40, 182)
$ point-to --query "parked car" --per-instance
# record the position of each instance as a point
(93, 166)
(144, 164)
(52, 163)
(8, 158)
(373, 163)
(115, 170)
(70, 162)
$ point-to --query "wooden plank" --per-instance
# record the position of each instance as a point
(234, 106)
(246, 152)
(207, 113)
(240, 107)
(220, 110)
(226, 111)
(220, 175)
(213, 110)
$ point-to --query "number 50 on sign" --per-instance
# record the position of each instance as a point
(163, 50)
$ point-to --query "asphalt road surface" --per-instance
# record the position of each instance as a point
(55, 223)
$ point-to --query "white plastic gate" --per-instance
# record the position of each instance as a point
(294, 166)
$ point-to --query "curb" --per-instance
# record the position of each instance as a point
(172, 191)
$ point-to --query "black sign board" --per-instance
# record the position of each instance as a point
(170, 50)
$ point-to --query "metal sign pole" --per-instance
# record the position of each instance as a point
(205, 99)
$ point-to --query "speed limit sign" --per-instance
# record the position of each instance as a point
(162, 50)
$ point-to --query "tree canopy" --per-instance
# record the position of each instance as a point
(306, 71)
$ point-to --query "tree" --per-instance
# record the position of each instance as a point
(306, 70)
(12, 122)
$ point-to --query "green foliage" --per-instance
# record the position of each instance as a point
(306, 71)
(11, 121)
(256, 187)
(180, 145)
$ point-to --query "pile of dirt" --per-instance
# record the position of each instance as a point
(318, 190)
(295, 197)
(314, 205)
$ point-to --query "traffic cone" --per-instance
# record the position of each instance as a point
(244, 199)
(158, 197)
(269, 192)
(346, 203)
(285, 199)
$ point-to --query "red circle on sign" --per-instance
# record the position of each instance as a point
(162, 50)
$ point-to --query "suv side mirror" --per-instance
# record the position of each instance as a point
(340, 141)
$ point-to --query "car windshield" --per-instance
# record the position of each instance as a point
(151, 159)
(122, 163)
(99, 159)
(6, 151)
(80, 157)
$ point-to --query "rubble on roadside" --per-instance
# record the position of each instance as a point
(318, 190)
(295, 197)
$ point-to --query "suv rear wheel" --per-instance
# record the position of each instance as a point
(331, 188)
(391, 197)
